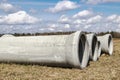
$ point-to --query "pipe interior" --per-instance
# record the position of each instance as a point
(110, 44)
(81, 47)
(98, 44)
(94, 42)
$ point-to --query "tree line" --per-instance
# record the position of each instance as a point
(113, 33)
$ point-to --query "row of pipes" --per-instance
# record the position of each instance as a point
(73, 50)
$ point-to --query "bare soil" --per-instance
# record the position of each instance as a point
(106, 68)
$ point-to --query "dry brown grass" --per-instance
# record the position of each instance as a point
(106, 68)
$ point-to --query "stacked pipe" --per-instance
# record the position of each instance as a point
(93, 43)
(74, 50)
(99, 44)
(106, 43)
(59, 50)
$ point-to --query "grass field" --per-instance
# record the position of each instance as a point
(106, 68)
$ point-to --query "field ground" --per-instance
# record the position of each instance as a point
(106, 68)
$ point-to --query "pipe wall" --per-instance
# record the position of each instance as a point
(106, 43)
(58, 50)
(92, 40)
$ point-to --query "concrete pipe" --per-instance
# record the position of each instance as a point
(106, 43)
(92, 40)
(99, 49)
(55, 50)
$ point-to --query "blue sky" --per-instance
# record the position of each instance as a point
(18, 16)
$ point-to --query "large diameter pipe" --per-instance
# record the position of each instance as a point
(58, 50)
(106, 43)
(92, 40)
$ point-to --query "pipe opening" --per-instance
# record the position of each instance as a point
(98, 44)
(83, 51)
(81, 47)
(110, 45)
(99, 48)
(94, 42)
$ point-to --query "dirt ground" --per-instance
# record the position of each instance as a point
(106, 68)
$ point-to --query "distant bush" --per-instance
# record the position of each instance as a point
(1, 35)
(37, 34)
(114, 34)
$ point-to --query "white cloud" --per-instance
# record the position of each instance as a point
(63, 6)
(60, 30)
(79, 21)
(114, 18)
(52, 25)
(4, 0)
(42, 29)
(118, 20)
(84, 13)
(20, 17)
(94, 19)
(67, 26)
(94, 22)
(6, 7)
(51, 29)
(28, 27)
(99, 1)
(64, 19)
(87, 26)
(32, 10)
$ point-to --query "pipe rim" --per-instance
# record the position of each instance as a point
(85, 51)
(110, 44)
(73, 57)
(94, 48)
(7, 35)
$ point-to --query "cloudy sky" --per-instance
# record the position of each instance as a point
(30, 16)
